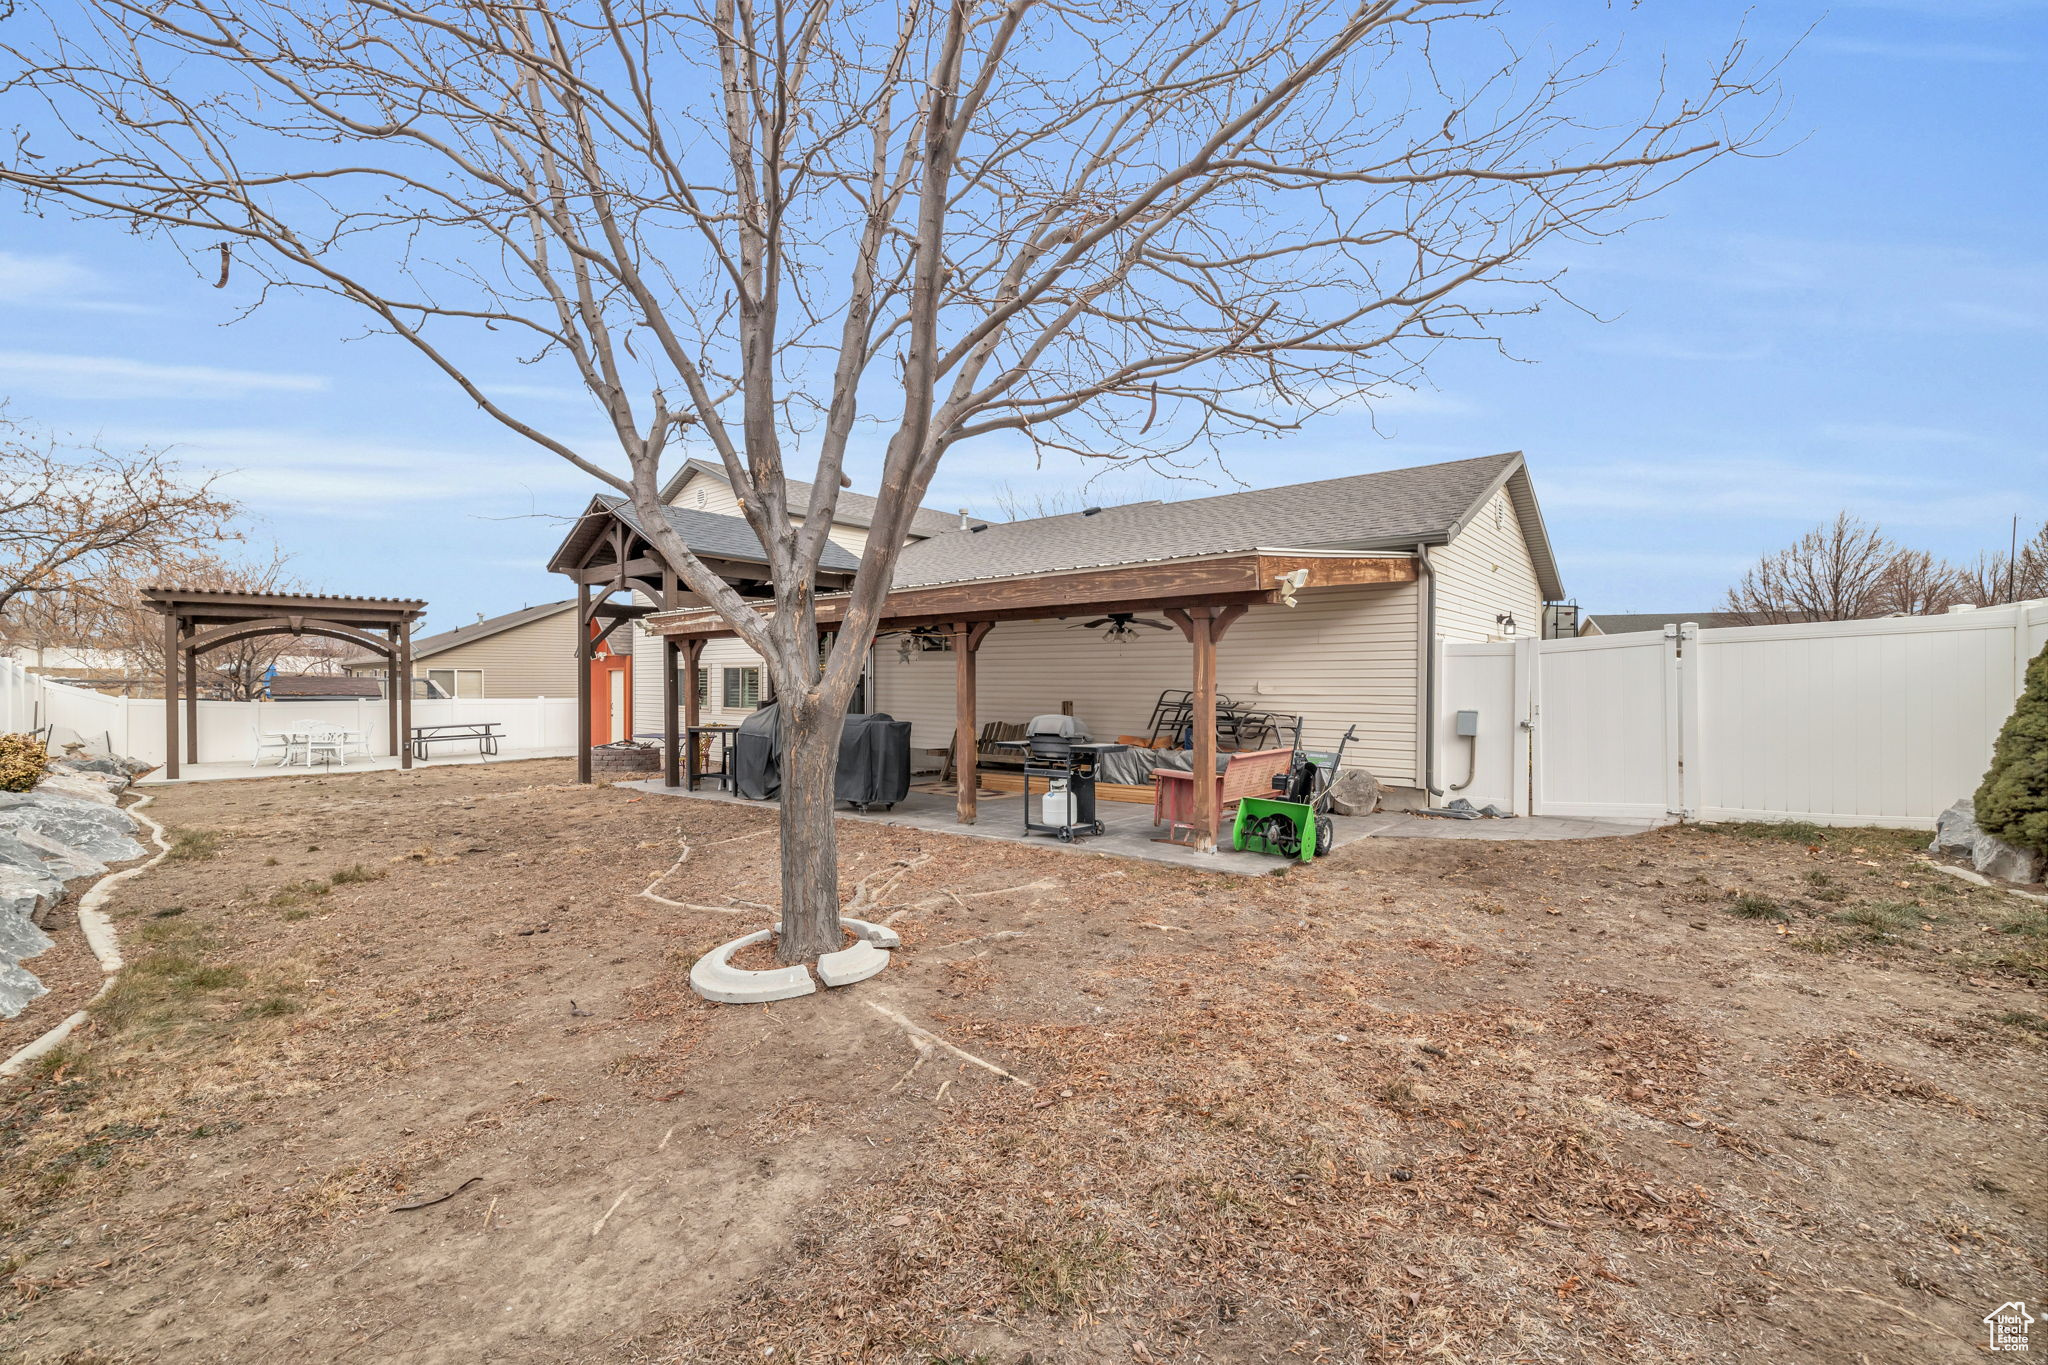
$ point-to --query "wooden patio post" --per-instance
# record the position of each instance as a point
(191, 705)
(693, 650)
(391, 691)
(671, 738)
(1202, 720)
(171, 693)
(583, 683)
(967, 638)
(404, 730)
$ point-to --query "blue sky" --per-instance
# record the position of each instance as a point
(1860, 322)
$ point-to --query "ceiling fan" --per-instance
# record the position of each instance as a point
(1122, 625)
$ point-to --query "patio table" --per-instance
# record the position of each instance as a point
(693, 771)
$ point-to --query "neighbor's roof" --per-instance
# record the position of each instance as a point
(286, 685)
(1631, 623)
(852, 509)
(1394, 510)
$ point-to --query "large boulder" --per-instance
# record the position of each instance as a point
(104, 833)
(1996, 858)
(17, 988)
(102, 789)
(1355, 792)
(27, 891)
(1955, 831)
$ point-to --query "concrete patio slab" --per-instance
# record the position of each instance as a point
(1131, 833)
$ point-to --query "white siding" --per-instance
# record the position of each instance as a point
(1343, 656)
(1484, 571)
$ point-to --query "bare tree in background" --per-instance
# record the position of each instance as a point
(766, 230)
(2003, 576)
(76, 521)
(1835, 572)
(1917, 583)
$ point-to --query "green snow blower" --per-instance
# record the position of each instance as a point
(1295, 823)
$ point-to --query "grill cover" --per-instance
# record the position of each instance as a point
(874, 758)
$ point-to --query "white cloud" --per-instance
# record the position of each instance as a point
(57, 282)
(102, 377)
(1802, 492)
(302, 471)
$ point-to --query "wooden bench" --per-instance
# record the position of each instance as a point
(1250, 773)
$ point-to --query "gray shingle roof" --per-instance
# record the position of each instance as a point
(1391, 510)
(468, 635)
(852, 509)
(709, 533)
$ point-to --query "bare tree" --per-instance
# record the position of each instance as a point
(772, 230)
(1916, 583)
(2014, 576)
(1835, 572)
(77, 520)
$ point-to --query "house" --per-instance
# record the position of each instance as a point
(1333, 594)
(1634, 623)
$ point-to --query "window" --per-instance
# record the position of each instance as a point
(742, 689)
(703, 687)
(458, 682)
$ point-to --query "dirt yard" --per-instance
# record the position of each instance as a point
(405, 1068)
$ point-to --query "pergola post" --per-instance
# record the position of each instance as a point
(391, 691)
(191, 705)
(583, 683)
(671, 745)
(692, 651)
(404, 662)
(967, 637)
(171, 695)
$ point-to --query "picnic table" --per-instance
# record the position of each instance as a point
(484, 734)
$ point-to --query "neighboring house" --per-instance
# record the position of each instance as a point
(1463, 556)
(730, 682)
(1633, 623)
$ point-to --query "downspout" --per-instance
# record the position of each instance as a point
(1428, 688)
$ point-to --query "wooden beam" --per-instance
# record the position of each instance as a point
(191, 703)
(713, 627)
(1339, 571)
(693, 650)
(1202, 720)
(391, 691)
(671, 738)
(1225, 618)
(583, 683)
(171, 695)
(967, 638)
(404, 661)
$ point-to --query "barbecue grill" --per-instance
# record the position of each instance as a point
(1057, 749)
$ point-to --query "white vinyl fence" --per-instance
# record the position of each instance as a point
(228, 730)
(1881, 722)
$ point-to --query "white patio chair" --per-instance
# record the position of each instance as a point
(326, 742)
(280, 742)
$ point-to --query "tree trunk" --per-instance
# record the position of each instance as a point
(810, 838)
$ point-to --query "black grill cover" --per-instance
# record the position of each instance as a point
(874, 758)
(757, 754)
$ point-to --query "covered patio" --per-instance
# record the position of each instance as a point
(1202, 598)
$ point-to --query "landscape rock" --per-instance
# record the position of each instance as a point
(20, 938)
(98, 788)
(1955, 831)
(1996, 858)
(25, 848)
(27, 892)
(1355, 792)
(103, 832)
(17, 988)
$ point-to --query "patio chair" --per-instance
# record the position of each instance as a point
(271, 740)
(326, 742)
